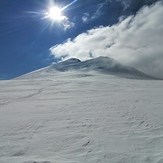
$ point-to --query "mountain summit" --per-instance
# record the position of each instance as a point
(101, 64)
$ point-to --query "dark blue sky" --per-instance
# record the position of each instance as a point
(25, 37)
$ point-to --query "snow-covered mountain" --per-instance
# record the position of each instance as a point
(104, 65)
(81, 112)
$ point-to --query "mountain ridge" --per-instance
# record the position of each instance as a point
(105, 65)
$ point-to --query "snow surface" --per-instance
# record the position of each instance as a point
(101, 64)
(80, 117)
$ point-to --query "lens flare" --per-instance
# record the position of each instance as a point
(69, 4)
(55, 14)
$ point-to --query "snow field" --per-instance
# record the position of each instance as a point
(71, 117)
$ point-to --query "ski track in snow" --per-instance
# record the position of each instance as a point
(76, 118)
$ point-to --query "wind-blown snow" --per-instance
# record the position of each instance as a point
(101, 64)
(80, 117)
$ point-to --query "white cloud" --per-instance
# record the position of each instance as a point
(136, 41)
(67, 24)
(87, 17)
(125, 3)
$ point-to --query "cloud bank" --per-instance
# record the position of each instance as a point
(135, 41)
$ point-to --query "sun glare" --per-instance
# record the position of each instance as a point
(55, 14)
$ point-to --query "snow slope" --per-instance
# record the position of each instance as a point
(101, 64)
(80, 117)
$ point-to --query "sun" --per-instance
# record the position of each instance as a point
(55, 13)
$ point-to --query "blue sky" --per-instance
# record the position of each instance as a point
(29, 42)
